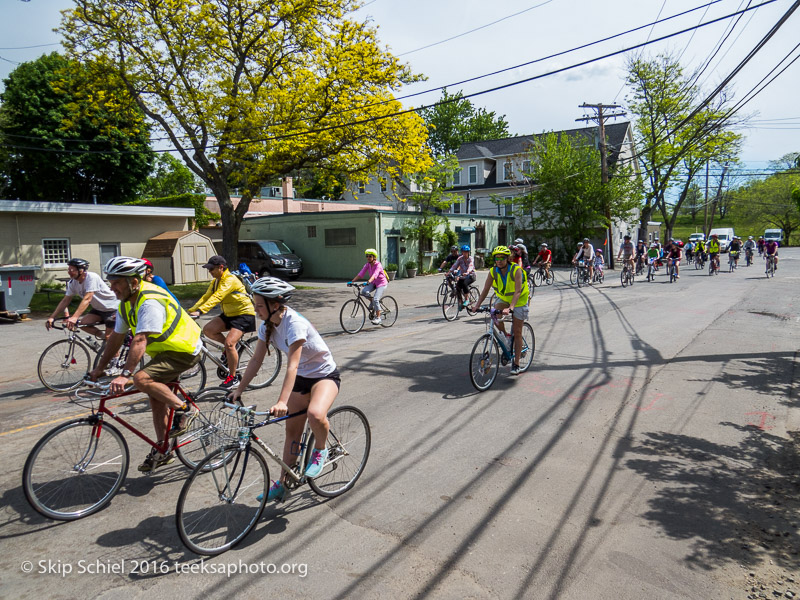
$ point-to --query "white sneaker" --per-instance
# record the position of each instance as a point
(376, 321)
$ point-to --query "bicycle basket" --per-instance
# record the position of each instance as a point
(222, 428)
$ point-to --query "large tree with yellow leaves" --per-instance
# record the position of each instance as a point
(249, 90)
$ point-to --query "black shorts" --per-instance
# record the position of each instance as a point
(107, 317)
(303, 385)
(244, 323)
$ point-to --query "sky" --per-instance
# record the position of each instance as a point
(497, 35)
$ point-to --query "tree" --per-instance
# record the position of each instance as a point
(170, 177)
(71, 133)
(568, 198)
(773, 202)
(671, 127)
(253, 90)
(431, 202)
(454, 120)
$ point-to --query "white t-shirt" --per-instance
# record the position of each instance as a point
(588, 253)
(103, 298)
(150, 319)
(315, 357)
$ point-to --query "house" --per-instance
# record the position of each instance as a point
(48, 234)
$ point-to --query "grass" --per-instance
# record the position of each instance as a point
(743, 228)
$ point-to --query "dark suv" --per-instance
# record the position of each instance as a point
(270, 257)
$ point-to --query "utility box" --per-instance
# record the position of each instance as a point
(17, 285)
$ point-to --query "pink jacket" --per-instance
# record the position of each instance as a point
(373, 269)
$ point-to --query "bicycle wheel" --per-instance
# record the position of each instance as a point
(441, 293)
(75, 469)
(573, 276)
(484, 362)
(474, 294)
(538, 278)
(218, 507)
(550, 278)
(352, 316)
(528, 347)
(450, 307)
(63, 365)
(349, 441)
(194, 379)
(270, 366)
(388, 311)
(623, 278)
(203, 434)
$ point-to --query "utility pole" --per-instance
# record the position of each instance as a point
(600, 118)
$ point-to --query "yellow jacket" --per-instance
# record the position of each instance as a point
(228, 290)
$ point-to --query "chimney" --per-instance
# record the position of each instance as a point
(286, 188)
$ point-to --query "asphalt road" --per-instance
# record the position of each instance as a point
(648, 453)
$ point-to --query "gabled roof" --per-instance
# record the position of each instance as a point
(493, 149)
(164, 244)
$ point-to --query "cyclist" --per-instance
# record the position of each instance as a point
(449, 259)
(523, 250)
(151, 277)
(771, 249)
(626, 249)
(311, 382)
(511, 287)
(641, 250)
(761, 243)
(688, 249)
(465, 268)
(733, 251)
(713, 249)
(238, 315)
(586, 251)
(652, 256)
(93, 292)
(749, 248)
(376, 280)
(545, 257)
(700, 251)
(599, 262)
(163, 330)
(674, 253)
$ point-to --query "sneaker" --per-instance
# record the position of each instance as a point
(515, 370)
(277, 493)
(154, 460)
(230, 381)
(318, 458)
(376, 321)
(182, 419)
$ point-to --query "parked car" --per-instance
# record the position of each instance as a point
(696, 237)
(725, 236)
(270, 257)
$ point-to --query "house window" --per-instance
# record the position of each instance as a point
(473, 174)
(427, 244)
(480, 236)
(508, 209)
(312, 231)
(383, 184)
(362, 187)
(456, 208)
(507, 171)
(345, 236)
(502, 235)
(457, 177)
(473, 206)
(55, 252)
(526, 167)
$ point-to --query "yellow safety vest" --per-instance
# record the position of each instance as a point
(505, 288)
(180, 332)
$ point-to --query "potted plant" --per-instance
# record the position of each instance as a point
(391, 271)
(411, 268)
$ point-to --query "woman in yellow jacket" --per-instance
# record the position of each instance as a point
(238, 314)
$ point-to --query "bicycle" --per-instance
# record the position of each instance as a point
(270, 366)
(224, 497)
(579, 274)
(599, 275)
(733, 260)
(672, 270)
(543, 276)
(748, 256)
(354, 311)
(770, 265)
(77, 468)
(713, 266)
(639, 264)
(64, 363)
(452, 304)
(626, 275)
(699, 261)
(494, 349)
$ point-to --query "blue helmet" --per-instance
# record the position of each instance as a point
(465, 248)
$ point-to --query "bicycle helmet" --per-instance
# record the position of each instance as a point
(627, 237)
(147, 263)
(78, 263)
(585, 240)
(543, 245)
(518, 241)
(598, 251)
(273, 288)
(371, 252)
(125, 266)
(453, 248)
(499, 250)
(465, 248)
(750, 238)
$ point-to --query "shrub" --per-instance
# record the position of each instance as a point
(411, 265)
(391, 267)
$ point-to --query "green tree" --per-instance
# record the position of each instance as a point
(170, 177)
(252, 90)
(773, 202)
(71, 133)
(454, 120)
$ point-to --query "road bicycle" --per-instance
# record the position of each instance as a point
(453, 302)
(770, 265)
(733, 259)
(224, 497)
(76, 469)
(579, 274)
(713, 266)
(64, 363)
(354, 312)
(639, 264)
(699, 261)
(542, 276)
(266, 374)
(748, 256)
(672, 270)
(626, 275)
(494, 348)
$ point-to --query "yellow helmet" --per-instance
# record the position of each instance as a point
(501, 250)
(371, 252)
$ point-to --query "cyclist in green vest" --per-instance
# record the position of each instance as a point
(162, 329)
(511, 287)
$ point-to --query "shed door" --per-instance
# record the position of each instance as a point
(391, 250)
(107, 252)
(188, 263)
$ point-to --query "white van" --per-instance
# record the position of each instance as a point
(725, 236)
(774, 234)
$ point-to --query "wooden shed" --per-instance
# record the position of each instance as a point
(179, 256)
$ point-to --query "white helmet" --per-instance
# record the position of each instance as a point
(273, 288)
(518, 241)
(125, 266)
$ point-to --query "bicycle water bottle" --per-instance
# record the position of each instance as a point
(244, 435)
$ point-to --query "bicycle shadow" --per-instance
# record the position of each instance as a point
(18, 512)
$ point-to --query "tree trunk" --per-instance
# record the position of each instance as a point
(231, 221)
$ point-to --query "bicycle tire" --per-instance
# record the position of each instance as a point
(450, 307)
(538, 278)
(388, 311)
(218, 507)
(528, 347)
(474, 294)
(193, 380)
(352, 316)
(551, 277)
(203, 435)
(484, 362)
(63, 365)
(270, 366)
(65, 479)
(623, 278)
(348, 444)
(581, 277)
(441, 293)
(573, 276)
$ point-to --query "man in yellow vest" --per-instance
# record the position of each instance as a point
(166, 332)
(511, 287)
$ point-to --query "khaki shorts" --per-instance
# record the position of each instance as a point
(520, 312)
(167, 366)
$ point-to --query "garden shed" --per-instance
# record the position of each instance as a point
(179, 256)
